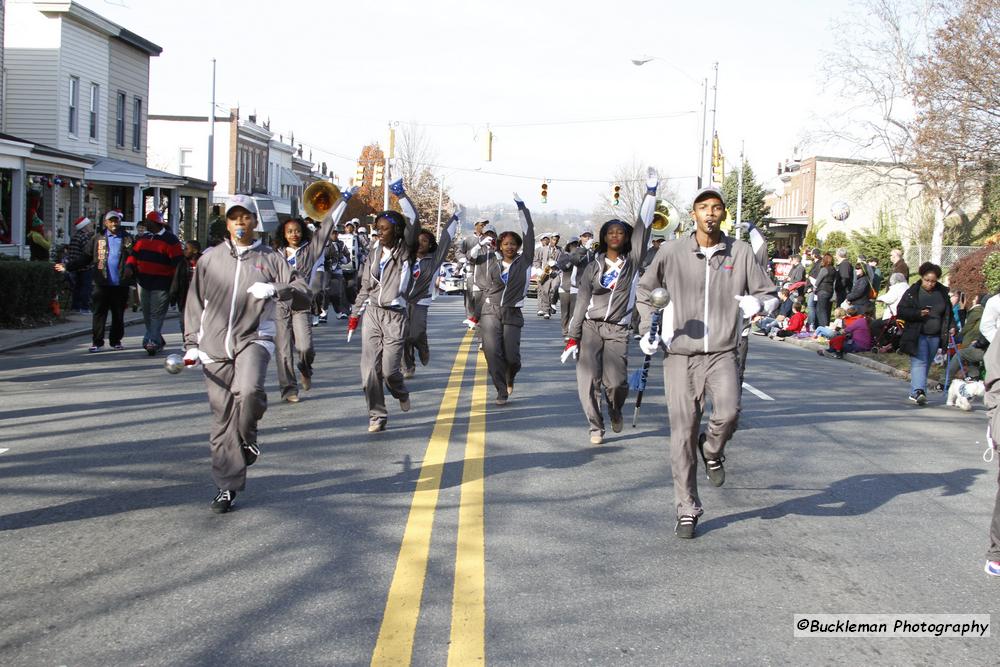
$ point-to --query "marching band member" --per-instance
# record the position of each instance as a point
(385, 280)
(462, 251)
(504, 283)
(477, 259)
(598, 330)
(229, 328)
(305, 252)
(430, 256)
(712, 280)
(543, 263)
(570, 264)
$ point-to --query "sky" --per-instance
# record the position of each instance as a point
(537, 74)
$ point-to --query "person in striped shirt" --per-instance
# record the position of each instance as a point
(154, 259)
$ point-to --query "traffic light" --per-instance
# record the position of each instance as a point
(377, 176)
(718, 162)
(545, 192)
(617, 193)
(359, 175)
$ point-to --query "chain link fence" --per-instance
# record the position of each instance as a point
(916, 255)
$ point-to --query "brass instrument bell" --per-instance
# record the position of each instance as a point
(319, 199)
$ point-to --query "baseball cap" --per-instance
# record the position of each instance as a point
(241, 201)
(587, 232)
(113, 214)
(706, 193)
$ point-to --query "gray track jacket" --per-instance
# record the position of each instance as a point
(221, 318)
(426, 268)
(509, 294)
(386, 286)
(706, 315)
(594, 301)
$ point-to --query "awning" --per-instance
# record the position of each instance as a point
(290, 178)
(119, 172)
(790, 220)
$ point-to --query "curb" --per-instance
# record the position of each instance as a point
(854, 359)
(66, 335)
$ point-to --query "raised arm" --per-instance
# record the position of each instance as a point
(445, 241)
(409, 212)
(646, 210)
(527, 229)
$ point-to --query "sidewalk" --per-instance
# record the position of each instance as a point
(853, 358)
(75, 325)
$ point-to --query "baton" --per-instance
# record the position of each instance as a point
(659, 299)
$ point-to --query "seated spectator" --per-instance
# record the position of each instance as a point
(836, 327)
(973, 346)
(897, 286)
(763, 325)
(793, 325)
(857, 336)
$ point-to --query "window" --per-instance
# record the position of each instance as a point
(95, 100)
(184, 161)
(120, 121)
(137, 124)
(74, 103)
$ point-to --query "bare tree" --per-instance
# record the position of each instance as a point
(631, 177)
(875, 70)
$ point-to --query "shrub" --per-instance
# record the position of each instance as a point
(991, 271)
(835, 240)
(28, 289)
(967, 274)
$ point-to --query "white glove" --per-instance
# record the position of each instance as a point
(652, 179)
(572, 350)
(517, 199)
(745, 227)
(486, 242)
(649, 345)
(262, 290)
(552, 262)
(192, 357)
(749, 304)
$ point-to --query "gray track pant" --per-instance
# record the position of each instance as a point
(292, 333)
(500, 329)
(602, 369)
(546, 295)
(688, 379)
(382, 339)
(567, 302)
(238, 401)
(416, 338)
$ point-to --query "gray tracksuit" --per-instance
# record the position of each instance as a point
(234, 332)
(543, 255)
(419, 299)
(992, 401)
(382, 297)
(293, 330)
(705, 323)
(472, 293)
(504, 293)
(600, 322)
(571, 265)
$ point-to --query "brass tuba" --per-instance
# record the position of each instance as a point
(319, 199)
(660, 221)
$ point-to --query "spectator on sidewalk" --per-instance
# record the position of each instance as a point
(836, 327)
(826, 281)
(83, 281)
(973, 344)
(925, 307)
(765, 324)
(182, 278)
(154, 259)
(897, 287)
(796, 280)
(795, 324)
(898, 265)
(857, 335)
(107, 254)
(860, 296)
(38, 242)
(845, 276)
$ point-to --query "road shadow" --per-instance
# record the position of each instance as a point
(855, 495)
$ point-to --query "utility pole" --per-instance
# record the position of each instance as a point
(715, 95)
(389, 155)
(211, 138)
(739, 194)
(704, 139)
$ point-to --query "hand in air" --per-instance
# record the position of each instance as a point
(652, 181)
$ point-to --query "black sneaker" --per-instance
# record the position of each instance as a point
(919, 397)
(685, 527)
(223, 501)
(250, 453)
(716, 473)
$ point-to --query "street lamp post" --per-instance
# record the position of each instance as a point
(704, 106)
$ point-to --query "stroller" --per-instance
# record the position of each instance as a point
(887, 339)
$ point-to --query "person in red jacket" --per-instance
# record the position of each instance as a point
(796, 323)
(154, 259)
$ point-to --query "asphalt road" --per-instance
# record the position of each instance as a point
(470, 531)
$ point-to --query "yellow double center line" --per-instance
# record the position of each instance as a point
(402, 609)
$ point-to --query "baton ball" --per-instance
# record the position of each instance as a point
(174, 363)
(659, 297)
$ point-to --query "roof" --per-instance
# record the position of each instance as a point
(95, 21)
(43, 151)
(110, 170)
(289, 177)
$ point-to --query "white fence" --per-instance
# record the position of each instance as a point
(916, 255)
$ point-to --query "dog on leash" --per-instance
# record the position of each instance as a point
(961, 393)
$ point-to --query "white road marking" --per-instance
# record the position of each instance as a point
(4, 450)
(756, 392)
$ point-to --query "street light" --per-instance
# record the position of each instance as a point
(642, 60)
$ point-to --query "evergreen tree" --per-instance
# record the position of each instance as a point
(754, 209)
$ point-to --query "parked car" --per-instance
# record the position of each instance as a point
(450, 279)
